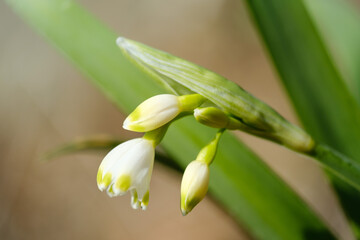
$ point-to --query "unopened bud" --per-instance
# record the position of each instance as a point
(194, 185)
(159, 110)
(216, 118)
(195, 181)
(212, 117)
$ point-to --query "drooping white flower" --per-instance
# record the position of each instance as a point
(194, 185)
(128, 167)
(159, 110)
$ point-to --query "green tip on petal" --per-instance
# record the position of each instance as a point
(132, 122)
(99, 176)
(187, 205)
(123, 183)
(135, 204)
(103, 182)
(184, 209)
(184, 212)
(145, 201)
(194, 185)
(111, 192)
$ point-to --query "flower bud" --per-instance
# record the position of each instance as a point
(212, 117)
(194, 185)
(159, 110)
(216, 118)
(153, 113)
(195, 181)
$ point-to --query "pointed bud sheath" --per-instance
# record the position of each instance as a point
(128, 167)
(159, 110)
(195, 181)
(257, 117)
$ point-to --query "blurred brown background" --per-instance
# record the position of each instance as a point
(45, 101)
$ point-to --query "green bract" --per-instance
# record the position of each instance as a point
(257, 117)
(252, 115)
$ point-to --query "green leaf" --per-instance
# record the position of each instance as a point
(319, 94)
(247, 188)
(101, 142)
(346, 169)
(321, 98)
(338, 22)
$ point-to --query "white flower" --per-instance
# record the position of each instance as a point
(194, 185)
(153, 113)
(128, 167)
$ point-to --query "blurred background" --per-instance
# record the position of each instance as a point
(45, 101)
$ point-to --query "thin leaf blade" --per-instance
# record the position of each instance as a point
(320, 96)
(101, 142)
(338, 22)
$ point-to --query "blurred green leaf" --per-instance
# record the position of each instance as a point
(340, 165)
(247, 188)
(101, 142)
(338, 22)
(321, 98)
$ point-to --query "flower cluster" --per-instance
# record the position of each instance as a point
(128, 167)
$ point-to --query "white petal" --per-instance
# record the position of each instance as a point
(131, 163)
(194, 185)
(114, 156)
(153, 113)
(135, 203)
(137, 160)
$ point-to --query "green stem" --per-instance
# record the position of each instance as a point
(207, 153)
(156, 135)
(189, 102)
(343, 167)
